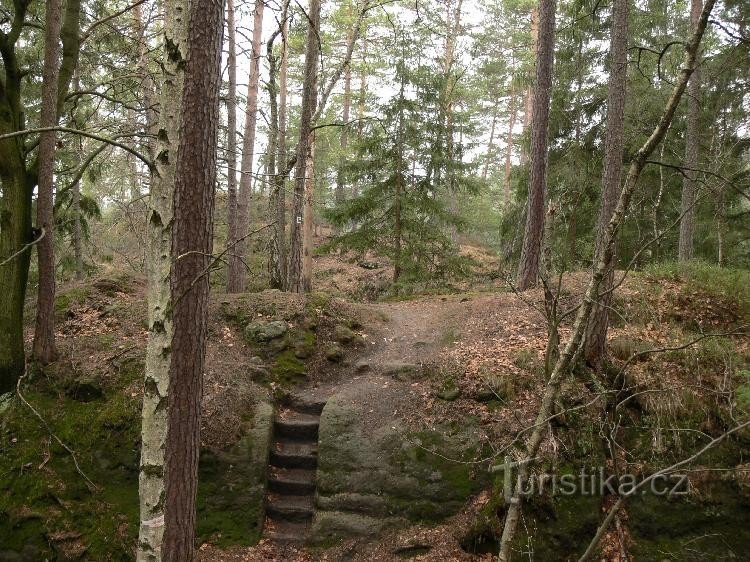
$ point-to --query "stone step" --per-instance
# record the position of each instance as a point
(289, 508)
(304, 405)
(292, 454)
(291, 481)
(296, 425)
(286, 531)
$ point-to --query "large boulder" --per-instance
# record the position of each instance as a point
(263, 332)
(375, 471)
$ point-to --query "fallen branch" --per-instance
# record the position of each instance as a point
(22, 250)
(613, 510)
(71, 452)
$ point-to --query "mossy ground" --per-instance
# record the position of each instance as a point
(42, 496)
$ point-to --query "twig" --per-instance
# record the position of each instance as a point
(22, 250)
(92, 486)
(615, 508)
(125, 147)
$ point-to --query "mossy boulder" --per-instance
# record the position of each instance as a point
(373, 471)
(264, 332)
(343, 334)
(334, 353)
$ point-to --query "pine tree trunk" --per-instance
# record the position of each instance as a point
(231, 136)
(309, 102)
(282, 148)
(277, 157)
(192, 243)
(490, 144)
(528, 103)
(75, 195)
(361, 102)
(308, 218)
(614, 146)
(237, 278)
(528, 267)
(509, 145)
(17, 183)
(399, 187)
(692, 143)
(44, 333)
(158, 254)
(344, 137)
(135, 185)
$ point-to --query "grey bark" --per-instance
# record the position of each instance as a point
(158, 255)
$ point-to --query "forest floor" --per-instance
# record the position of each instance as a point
(458, 338)
(464, 338)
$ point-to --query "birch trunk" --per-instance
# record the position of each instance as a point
(158, 255)
(147, 82)
(237, 279)
(528, 268)
(44, 332)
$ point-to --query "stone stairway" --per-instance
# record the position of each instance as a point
(293, 461)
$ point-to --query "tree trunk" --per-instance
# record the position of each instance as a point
(344, 138)
(309, 102)
(15, 231)
(158, 254)
(75, 194)
(528, 103)
(614, 146)
(399, 187)
(147, 82)
(692, 143)
(44, 332)
(192, 238)
(490, 144)
(309, 218)
(277, 156)
(361, 102)
(528, 267)
(231, 137)
(18, 180)
(570, 352)
(237, 279)
(509, 144)
(282, 159)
